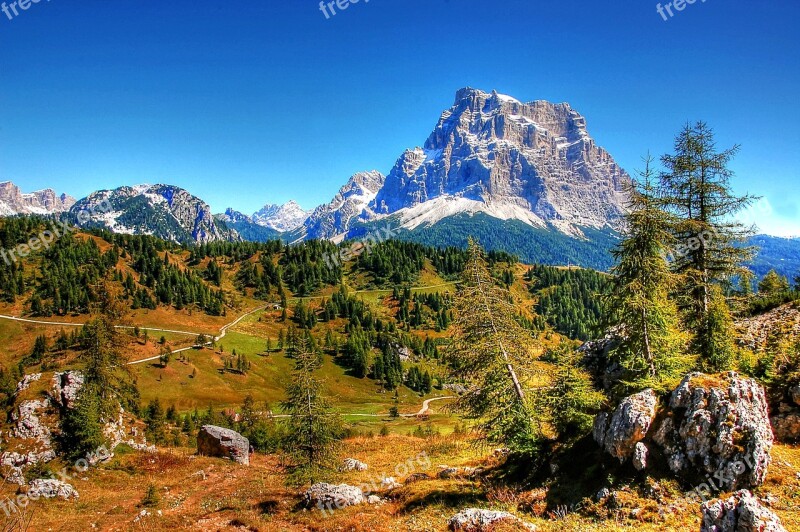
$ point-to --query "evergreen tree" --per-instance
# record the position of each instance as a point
(494, 355)
(696, 189)
(313, 428)
(653, 349)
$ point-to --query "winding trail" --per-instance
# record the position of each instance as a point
(222, 332)
(424, 410)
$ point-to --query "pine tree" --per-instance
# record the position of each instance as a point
(313, 428)
(696, 189)
(494, 355)
(653, 350)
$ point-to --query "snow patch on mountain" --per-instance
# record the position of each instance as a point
(281, 218)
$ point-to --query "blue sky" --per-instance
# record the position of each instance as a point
(253, 101)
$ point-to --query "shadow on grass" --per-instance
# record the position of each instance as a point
(450, 494)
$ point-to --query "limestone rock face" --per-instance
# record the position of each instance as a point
(331, 496)
(628, 425)
(50, 489)
(740, 513)
(714, 427)
(478, 520)
(13, 201)
(66, 386)
(719, 427)
(223, 443)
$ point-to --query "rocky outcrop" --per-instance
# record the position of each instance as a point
(26, 382)
(620, 432)
(351, 464)
(740, 513)
(713, 427)
(27, 424)
(50, 489)
(66, 388)
(331, 496)
(478, 520)
(223, 443)
(14, 464)
(347, 208)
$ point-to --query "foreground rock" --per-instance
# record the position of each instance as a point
(740, 513)
(330, 496)
(50, 489)
(66, 387)
(478, 520)
(619, 432)
(714, 427)
(223, 443)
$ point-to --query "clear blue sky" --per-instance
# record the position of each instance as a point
(254, 101)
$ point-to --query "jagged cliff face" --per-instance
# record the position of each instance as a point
(164, 211)
(350, 205)
(490, 153)
(13, 201)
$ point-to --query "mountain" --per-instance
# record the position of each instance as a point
(533, 162)
(350, 206)
(165, 211)
(281, 218)
(13, 201)
(247, 228)
(776, 253)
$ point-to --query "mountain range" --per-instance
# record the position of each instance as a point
(522, 177)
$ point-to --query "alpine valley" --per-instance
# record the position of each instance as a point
(525, 178)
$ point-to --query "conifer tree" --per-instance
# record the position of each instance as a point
(314, 427)
(653, 349)
(696, 189)
(495, 357)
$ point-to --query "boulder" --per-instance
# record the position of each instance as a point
(619, 432)
(351, 464)
(66, 386)
(478, 520)
(330, 496)
(223, 443)
(50, 489)
(416, 477)
(719, 427)
(715, 427)
(740, 513)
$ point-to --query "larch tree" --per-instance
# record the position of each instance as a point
(495, 356)
(314, 427)
(653, 351)
(696, 188)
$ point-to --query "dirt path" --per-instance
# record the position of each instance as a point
(222, 332)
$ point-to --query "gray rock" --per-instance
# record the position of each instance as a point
(351, 464)
(640, 453)
(478, 520)
(331, 496)
(619, 433)
(740, 513)
(28, 425)
(374, 499)
(416, 477)
(26, 381)
(223, 443)
(602, 494)
(719, 427)
(50, 489)
(66, 386)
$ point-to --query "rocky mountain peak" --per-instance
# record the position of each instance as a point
(286, 217)
(14, 201)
